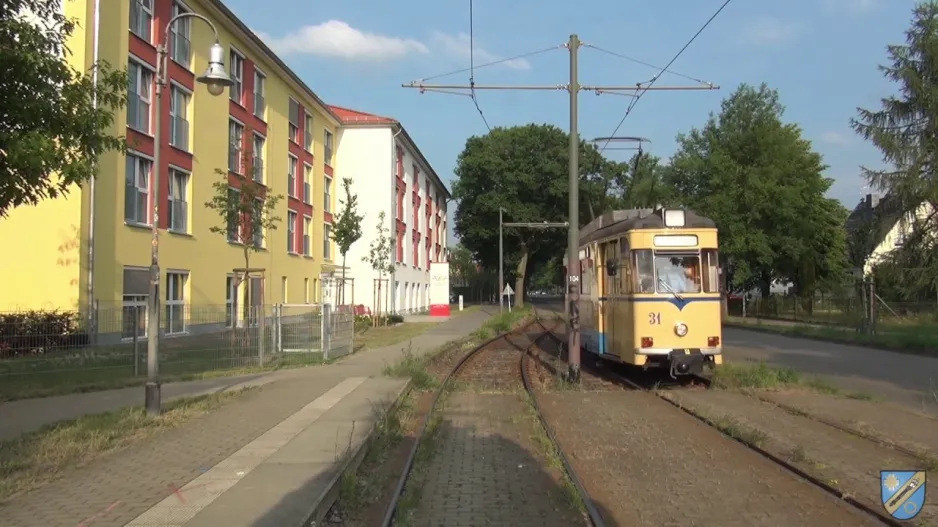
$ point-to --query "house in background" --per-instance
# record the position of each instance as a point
(885, 226)
(90, 250)
(390, 174)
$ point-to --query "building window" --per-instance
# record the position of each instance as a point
(141, 18)
(291, 232)
(260, 92)
(231, 300)
(283, 289)
(236, 61)
(327, 242)
(136, 290)
(180, 37)
(400, 203)
(234, 223)
(307, 227)
(327, 194)
(291, 175)
(294, 118)
(416, 251)
(235, 144)
(139, 97)
(175, 302)
(257, 158)
(137, 190)
(308, 132)
(178, 122)
(258, 235)
(306, 290)
(178, 207)
(327, 148)
(307, 182)
(400, 246)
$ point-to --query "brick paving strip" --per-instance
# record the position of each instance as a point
(283, 474)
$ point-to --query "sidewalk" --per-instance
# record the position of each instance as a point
(268, 459)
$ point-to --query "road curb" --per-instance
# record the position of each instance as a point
(328, 497)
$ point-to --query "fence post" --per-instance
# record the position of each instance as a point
(261, 333)
(278, 328)
(326, 331)
(135, 339)
(94, 321)
(873, 306)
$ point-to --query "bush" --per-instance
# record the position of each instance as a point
(38, 332)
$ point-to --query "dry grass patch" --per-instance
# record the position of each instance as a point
(39, 457)
(379, 337)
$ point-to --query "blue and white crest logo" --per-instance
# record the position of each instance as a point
(903, 492)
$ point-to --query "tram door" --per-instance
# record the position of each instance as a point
(608, 307)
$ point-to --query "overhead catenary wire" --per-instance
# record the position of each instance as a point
(644, 90)
(643, 63)
(472, 80)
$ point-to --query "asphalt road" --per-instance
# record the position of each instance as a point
(910, 380)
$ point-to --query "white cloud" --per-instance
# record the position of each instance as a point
(768, 30)
(836, 138)
(337, 39)
(458, 46)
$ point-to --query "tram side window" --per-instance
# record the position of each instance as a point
(643, 267)
(711, 266)
(625, 268)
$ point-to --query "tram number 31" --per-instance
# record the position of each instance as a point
(654, 319)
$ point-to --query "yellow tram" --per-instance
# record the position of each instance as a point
(650, 292)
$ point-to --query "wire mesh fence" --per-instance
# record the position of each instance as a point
(43, 353)
(836, 310)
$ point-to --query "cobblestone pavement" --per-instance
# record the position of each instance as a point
(646, 463)
(488, 471)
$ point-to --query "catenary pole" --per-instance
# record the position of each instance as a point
(573, 225)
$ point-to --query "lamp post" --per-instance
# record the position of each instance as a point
(216, 80)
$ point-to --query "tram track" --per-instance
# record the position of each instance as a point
(517, 341)
(652, 387)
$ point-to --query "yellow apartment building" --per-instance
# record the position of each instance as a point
(92, 247)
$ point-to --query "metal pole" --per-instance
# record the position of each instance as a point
(573, 233)
(152, 394)
(501, 263)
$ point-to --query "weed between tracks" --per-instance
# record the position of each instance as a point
(764, 377)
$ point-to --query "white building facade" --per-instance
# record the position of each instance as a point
(389, 174)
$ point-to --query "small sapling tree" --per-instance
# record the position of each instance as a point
(379, 257)
(347, 228)
(246, 210)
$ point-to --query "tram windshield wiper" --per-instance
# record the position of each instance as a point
(668, 288)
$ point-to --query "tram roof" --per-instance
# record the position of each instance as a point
(618, 221)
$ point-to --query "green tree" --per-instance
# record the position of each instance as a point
(905, 129)
(347, 228)
(763, 185)
(247, 213)
(524, 170)
(56, 120)
(379, 257)
(644, 184)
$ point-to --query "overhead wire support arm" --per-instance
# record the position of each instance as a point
(542, 225)
(429, 87)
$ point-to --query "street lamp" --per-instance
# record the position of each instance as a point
(216, 80)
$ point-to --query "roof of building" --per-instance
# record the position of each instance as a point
(353, 118)
(875, 212)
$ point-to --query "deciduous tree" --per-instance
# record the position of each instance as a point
(54, 120)
(379, 257)
(347, 227)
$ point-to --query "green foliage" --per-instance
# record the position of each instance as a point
(347, 225)
(905, 129)
(523, 169)
(55, 119)
(761, 182)
(40, 332)
(379, 253)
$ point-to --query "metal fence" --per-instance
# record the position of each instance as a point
(836, 310)
(43, 353)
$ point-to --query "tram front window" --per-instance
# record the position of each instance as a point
(678, 273)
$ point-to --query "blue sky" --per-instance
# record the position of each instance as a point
(822, 56)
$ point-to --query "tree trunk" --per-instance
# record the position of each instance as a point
(377, 305)
(342, 294)
(519, 279)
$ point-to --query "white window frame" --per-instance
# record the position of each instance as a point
(307, 235)
(259, 209)
(144, 8)
(326, 241)
(291, 231)
(233, 126)
(175, 116)
(231, 300)
(308, 131)
(185, 35)
(144, 75)
(260, 94)
(293, 166)
(236, 61)
(175, 172)
(328, 146)
(307, 183)
(306, 290)
(141, 160)
(257, 154)
(293, 129)
(238, 235)
(176, 300)
(141, 302)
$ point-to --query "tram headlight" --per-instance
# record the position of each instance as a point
(680, 329)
